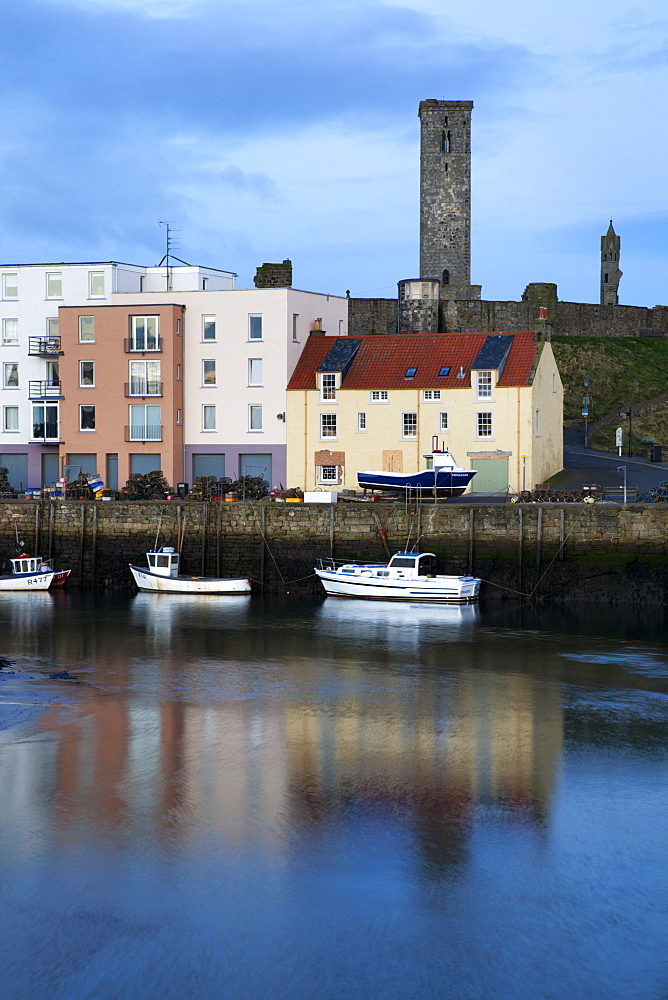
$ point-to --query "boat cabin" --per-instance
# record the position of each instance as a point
(23, 565)
(411, 565)
(165, 562)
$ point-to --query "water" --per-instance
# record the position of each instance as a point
(296, 799)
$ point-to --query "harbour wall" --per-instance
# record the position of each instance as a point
(606, 553)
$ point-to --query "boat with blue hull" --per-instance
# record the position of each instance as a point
(444, 479)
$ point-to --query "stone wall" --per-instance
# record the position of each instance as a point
(570, 552)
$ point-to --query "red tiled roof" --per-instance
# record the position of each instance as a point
(382, 361)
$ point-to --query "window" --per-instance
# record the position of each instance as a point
(208, 418)
(53, 374)
(145, 422)
(537, 423)
(605, 279)
(431, 395)
(379, 396)
(96, 284)
(54, 285)
(10, 331)
(145, 378)
(484, 385)
(361, 421)
(554, 383)
(10, 286)
(340, 328)
(483, 425)
(295, 326)
(410, 373)
(444, 372)
(52, 327)
(328, 474)
(208, 327)
(86, 329)
(255, 327)
(45, 422)
(443, 421)
(10, 418)
(254, 418)
(409, 425)
(86, 373)
(209, 372)
(255, 371)
(10, 375)
(145, 333)
(328, 425)
(328, 386)
(87, 418)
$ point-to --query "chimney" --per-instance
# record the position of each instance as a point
(274, 275)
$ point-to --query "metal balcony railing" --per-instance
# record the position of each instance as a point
(44, 347)
(143, 387)
(143, 345)
(47, 389)
(143, 432)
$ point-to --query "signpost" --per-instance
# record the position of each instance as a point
(619, 441)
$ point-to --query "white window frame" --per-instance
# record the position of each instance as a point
(44, 421)
(537, 422)
(155, 335)
(93, 276)
(208, 412)
(144, 426)
(554, 382)
(431, 395)
(56, 278)
(10, 324)
(251, 335)
(145, 378)
(295, 328)
(82, 384)
(479, 421)
(328, 427)
(409, 425)
(52, 327)
(328, 386)
(82, 339)
(379, 396)
(7, 366)
(255, 372)
(361, 422)
(443, 421)
(6, 410)
(208, 325)
(253, 410)
(10, 285)
(484, 384)
(328, 475)
(82, 429)
(209, 380)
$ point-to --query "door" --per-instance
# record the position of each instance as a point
(492, 475)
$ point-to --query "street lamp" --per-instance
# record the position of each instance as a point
(585, 409)
(622, 468)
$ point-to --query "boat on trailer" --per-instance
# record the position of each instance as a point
(407, 577)
(28, 573)
(162, 576)
(445, 478)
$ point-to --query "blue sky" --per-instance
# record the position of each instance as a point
(266, 131)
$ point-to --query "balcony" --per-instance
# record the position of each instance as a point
(143, 432)
(143, 388)
(44, 347)
(142, 345)
(48, 389)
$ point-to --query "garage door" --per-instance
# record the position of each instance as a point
(492, 475)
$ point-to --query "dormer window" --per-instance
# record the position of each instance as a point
(484, 385)
(328, 386)
(410, 373)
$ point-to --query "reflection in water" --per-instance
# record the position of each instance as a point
(318, 761)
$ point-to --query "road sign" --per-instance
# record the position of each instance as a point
(585, 412)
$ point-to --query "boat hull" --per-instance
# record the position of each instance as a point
(444, 484)
(27, 581)
(433, 590)
(155, 583)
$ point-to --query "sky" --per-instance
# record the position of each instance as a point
(263, 131)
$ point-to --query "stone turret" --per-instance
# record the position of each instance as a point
(610, 273)
(274, 275)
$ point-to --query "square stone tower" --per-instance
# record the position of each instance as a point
(445, 191)
(610, 273)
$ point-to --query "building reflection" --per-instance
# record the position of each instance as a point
(207, 716)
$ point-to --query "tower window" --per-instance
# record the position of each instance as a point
(445, 121)
(605, 279)
(445, 139)
(446, 278)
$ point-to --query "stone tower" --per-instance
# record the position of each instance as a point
(445, 191)
(610, 273)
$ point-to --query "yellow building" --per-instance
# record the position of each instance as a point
(495, 401)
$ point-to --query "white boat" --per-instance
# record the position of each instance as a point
(407, 577)
(162, 576)
(28, 573)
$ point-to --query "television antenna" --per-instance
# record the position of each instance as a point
(171, 243)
